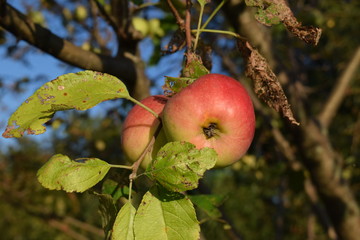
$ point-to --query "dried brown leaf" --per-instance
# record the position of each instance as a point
(176, 43)
(266, 84)
(275, 11)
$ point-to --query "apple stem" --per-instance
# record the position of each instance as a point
(143, 106)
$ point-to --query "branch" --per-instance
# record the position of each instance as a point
(326, 174)
(106, 16)
(63, 227)
(147, 149)
(23, 28)
(188, 25)
(180, 22)
(338, 93)
(312, 194)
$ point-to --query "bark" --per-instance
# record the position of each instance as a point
(340, 88)
(42, 38)
(326, 173)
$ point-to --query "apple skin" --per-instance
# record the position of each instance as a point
(139, 127)
(214, 111)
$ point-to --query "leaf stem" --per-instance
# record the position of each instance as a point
(213, 14)
(217, 31)
(120, 166)
(130, 189)
(143, 106)
(199, 25)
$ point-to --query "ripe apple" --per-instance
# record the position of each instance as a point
(215, 111)
(139, 128)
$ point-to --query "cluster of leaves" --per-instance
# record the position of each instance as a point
(177, 167)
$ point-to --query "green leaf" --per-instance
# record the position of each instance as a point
(62, 173)
(209, 204)
(175, 84)
(194, 67)
(81, 91)
(165, 215)
(107, 211)
(124, 224)
(179, 165)
(115, 189)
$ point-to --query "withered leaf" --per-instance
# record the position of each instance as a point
(176, 43)
(266, 84)
(272, 12)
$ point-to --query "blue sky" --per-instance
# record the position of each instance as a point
(43, 68)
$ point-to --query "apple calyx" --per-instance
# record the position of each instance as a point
(210, 130)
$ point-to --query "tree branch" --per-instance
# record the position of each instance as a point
(180, 22)
(109, 19)
(188, 26)
(338, 93)
(326, 173)
(23, 28)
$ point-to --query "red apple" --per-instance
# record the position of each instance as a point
(215, 111)
(139, 127)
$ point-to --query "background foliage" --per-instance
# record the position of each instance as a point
(267, 195)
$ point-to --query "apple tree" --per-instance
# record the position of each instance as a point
(165, 193)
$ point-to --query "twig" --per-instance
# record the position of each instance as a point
(188, 25)
(107, 17)
(339, 90)
(136, 165)
(94, 29)
(312, 194)
(84, 226)
(179, 19)
(66, 229)
(23, 28)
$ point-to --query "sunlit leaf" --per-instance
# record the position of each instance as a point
(179, 165)
(165, 215)
(62, 173)
(79, 91)
(124, 224)
(175, 84)
(194, 67)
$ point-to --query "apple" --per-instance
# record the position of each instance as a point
(139, 128)
(81, 13)
(214, 111)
